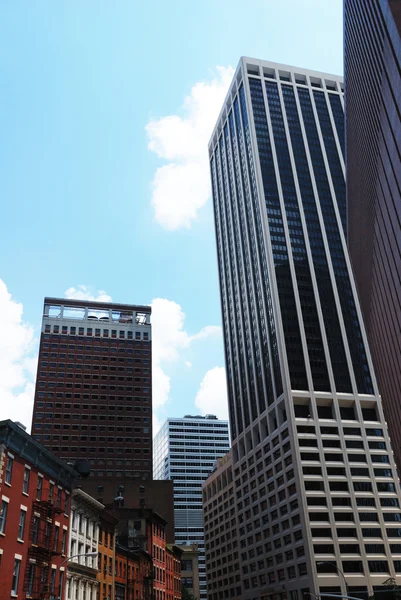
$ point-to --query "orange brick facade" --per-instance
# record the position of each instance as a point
(173, 573)
(133, 574)
(106, 562)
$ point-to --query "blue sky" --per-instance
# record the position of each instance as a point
(105, 112)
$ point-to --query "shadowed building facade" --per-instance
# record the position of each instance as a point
(316, 488)
(372, 60)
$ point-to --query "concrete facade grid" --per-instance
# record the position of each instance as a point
(221, 539)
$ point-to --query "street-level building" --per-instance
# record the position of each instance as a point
(145, 530)
(93, 396)
(82, 573)
(106, 558)
(173, 573)
(185, 451)
(223, 568)
(35, 490)
(190, 568)
(133, 574)
(157, 495)
(316, 487)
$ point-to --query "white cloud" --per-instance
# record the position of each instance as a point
(181, 187)
(212, 394)
(188, 364)
(169, 340)
(17, 363)
(82, 292)
(168, 334)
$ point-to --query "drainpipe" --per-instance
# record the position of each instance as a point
(113, 587)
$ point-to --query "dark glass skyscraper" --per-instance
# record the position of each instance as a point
(373, 128)
(315, 482)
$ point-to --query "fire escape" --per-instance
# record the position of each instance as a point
(43, 545)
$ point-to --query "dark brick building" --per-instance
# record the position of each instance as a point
(35, 490)
(133, 574)
(144, 530)
(93, 397)
(157, 495)
(373, 136)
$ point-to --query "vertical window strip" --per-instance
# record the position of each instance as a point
(244, 272)
(263, 289)
(295, 357)
(256, 308)
(304, 280)
(225, 216)
(338, 114)
(347, 301)
(325, 288)
(223, 279)
(333, 157)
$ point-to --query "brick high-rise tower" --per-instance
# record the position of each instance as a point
(93, 397)
(372, 66)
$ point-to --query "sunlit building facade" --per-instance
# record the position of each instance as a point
(315, 482)
(186, 451)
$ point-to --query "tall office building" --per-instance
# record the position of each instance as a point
(93, 397)
(316, 488)
(186, 451)
(373, 132)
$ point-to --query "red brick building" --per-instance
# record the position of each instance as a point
(133, 574)
(173, 573)
(143, 529)
(34, 517)
(93, 397)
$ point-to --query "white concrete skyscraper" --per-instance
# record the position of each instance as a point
(316, 489)
(186, 450)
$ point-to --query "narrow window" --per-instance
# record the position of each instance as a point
(16, 572)
(21, 525)
(3, 516)
(63, 542)
(31, 578)
(9, 468)
(25, 487)
(56, 539)
(35, 530)
(39, 488)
